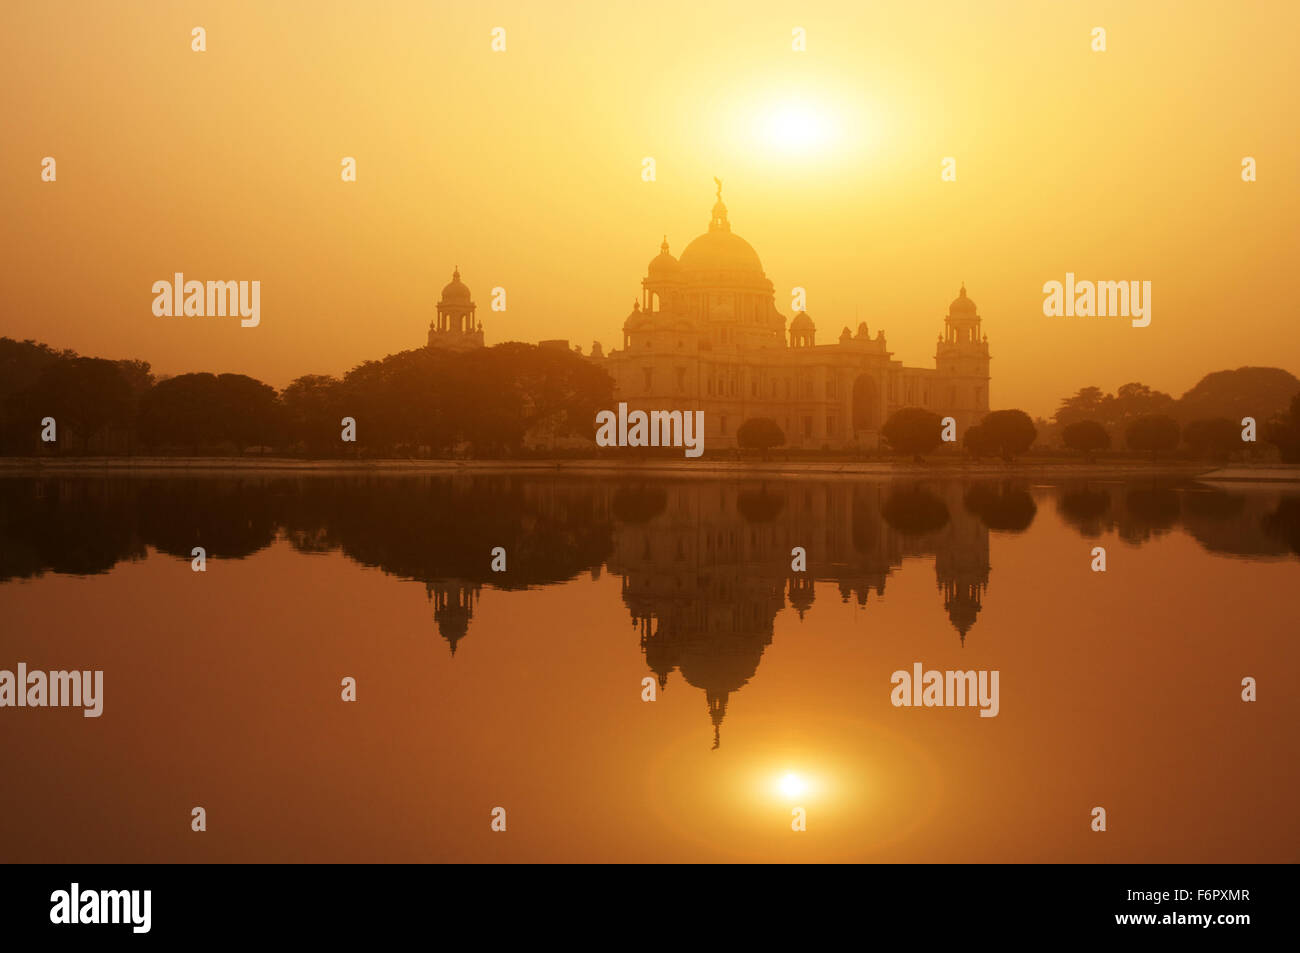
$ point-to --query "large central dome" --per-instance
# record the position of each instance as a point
(719, 249)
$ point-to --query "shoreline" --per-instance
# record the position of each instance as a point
(28, 466)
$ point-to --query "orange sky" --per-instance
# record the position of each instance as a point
(524, 168)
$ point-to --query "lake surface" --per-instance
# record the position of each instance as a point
(524, 689)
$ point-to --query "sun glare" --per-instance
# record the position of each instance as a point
(792, 785)
(796, 127)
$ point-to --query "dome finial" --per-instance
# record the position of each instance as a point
(719, 221)
(664, 247)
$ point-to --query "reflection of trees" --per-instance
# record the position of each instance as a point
(66, 526)
(705, 564)
(1148, 511)
(437, 528)
(425, 528)
(1284, 522)
(230, 519)
(1004, 506)
(759, 506)
(915, 511)
(1084, 508)
(1231, 523)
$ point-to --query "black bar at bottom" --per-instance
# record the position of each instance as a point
(651, 902)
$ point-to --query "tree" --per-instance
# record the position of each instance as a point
(1138, 400)
(1130, 401)
(1086, 436)
(760, 433)
(196, 410)
(84, 395)
(913, 430)
(1155, 432)
(1087, 403)
(1259, 392)
(250, 411)
(312, 411)
(1008, 432)
(977, 443)
(1213, 439)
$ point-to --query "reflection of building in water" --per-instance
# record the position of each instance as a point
(961, 568)
(453, 606)
(706, 335)
(706, 576)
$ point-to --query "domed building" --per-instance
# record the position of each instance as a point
(705, 334)
(455, 328)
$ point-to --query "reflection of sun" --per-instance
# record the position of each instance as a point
(792, 785)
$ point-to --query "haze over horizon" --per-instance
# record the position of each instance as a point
(524, 168)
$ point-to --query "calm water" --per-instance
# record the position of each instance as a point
(523, 689)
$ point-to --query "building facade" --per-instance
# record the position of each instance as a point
(705, 334)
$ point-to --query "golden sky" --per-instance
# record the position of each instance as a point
(524, 168)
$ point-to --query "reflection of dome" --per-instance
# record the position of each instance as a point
(718, 250)
(455, 291)
(801, 322)
(664, 265)
(802, 594)
(963, 605)
(453, 607)
(962, 304)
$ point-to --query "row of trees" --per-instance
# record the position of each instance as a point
(1213, 439)
(916, 432)
(1259, 392)
(415, 402)
(1008, 433)
(1002, 433)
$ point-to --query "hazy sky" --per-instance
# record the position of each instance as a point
(524, 168)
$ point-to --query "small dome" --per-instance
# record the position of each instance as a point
(962, 304)
(637, 319)
(802, 322)
(455, 291)
(664, 265)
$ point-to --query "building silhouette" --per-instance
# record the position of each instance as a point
(455, 327)
(705, 334)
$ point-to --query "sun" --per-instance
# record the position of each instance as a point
(796, 127)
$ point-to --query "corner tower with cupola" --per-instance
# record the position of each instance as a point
(961, 361)
(455, 327)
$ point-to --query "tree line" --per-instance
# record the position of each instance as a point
(1006, 434)
(421, 402)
